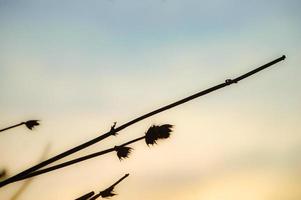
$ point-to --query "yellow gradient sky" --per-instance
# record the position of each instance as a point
(78, 66)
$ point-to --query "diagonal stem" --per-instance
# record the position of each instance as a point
(76, 160)
(90, 194)
(12, 126)
(164, 108)
(121, 179)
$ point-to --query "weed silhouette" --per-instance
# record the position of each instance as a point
(109, 192)
(113, 131)
(30, 124)
(121, 150)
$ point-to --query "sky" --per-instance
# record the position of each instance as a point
(79, 66)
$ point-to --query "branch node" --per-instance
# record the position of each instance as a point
(230, 81)
(112, 130)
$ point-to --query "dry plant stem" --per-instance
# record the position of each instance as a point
(12, 126)
(121, 179)
(26, 183)
(164, 108)
(90, 194)
(77, 160)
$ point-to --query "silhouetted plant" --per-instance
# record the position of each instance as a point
(24, 186)
(113, 131)
(122, 149)
(30, 124)
(109, 192)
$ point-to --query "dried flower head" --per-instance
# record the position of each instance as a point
(31, 124)
(155, 133)
(122, 151)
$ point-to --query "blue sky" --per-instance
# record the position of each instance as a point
(81, 65)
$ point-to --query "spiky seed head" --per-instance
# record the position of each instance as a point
(164, 131)
(155, 133)
(31, 124)
(123, 152)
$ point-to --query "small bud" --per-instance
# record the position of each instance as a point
(123, 152)
(155, 133)
(31, 124)
(112, 130)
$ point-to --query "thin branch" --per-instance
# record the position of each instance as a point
(86, 196)
(26, 184)
(76, 160)
(105, 193)
(20, 124)
(115, 130)
(30, 124)
(154, 133)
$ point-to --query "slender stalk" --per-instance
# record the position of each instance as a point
(109, 191)
(86, 196)
(76, 160)
(115, 130)
(20, 124)
(117, 182)
(27, 183)
(90, 194)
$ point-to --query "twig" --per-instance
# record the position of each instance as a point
(153, 134)
(20, 124)
(26, 184)
(76, 160)
(110, 133)
(105, 193)
(30, 124)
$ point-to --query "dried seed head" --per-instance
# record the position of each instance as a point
(123, 152)
(31, 124)
(155, 133)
